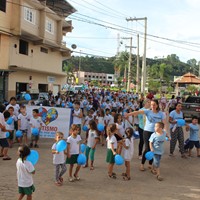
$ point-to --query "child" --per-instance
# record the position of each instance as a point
(128, 153)
(92, 141)
(23, 124)
(120, 131)
(101, 120)
(73, 150)
(156, 143)
(87, 119)
(25, 169)
(35, 122)
(11, 126)
(58, 160)
(3, 141)
(111, 149)
(194, 136)
(77, 114)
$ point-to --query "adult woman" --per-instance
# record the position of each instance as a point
(172, 103)
(152, 116)
(146, 105)
(176, 131)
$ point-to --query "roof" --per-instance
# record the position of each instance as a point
(61, 7)
(188, 78)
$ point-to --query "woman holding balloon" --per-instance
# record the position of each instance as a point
(153, 115)
(176, 122)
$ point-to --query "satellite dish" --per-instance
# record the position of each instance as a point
(73, 46)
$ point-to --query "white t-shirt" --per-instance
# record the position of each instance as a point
(58, 158)
(35, 122)
(24, 121)
(128, 153)
(77, 120)
(87, 119)
(24, 170)
(111, 120)
(2, 122)
(101, 120)
(107, 118)
(74, 144)
(92, 135)
(111, 140)
(121, 129)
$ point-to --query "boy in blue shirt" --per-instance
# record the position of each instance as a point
(194, 136)
(156, 143)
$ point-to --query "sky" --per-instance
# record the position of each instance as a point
(177, 21)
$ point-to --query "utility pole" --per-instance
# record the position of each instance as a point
(129, 66)
(143, 80)
(138, 65)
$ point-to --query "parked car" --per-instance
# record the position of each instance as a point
(191, 107)
(36, 98)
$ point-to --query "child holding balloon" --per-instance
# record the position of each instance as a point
(58, 160)
(111, 149)
(156, 143)
(25, 169)
(73, 150)
(35, 122)
(92, 141)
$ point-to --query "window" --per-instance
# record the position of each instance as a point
(109, 77)
(89, 76)
(93, 76)
(3, 5)
(97, 76)
(29, 15)
(100, 77)
(44, 50)
(85, 75)
(49, 26)
(23, 47)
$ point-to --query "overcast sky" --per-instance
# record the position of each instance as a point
(172, 19)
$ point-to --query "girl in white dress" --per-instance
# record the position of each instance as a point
(128, 152)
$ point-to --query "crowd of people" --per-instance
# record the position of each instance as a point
(125, 117)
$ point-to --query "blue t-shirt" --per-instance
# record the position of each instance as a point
(151, 119)
(158, 142)
(194, 132)
(141, 119)
(175, 116)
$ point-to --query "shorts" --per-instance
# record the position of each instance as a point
(110, 158)
(34, 137)
(90, 151)
(72, 159)
(156, 160)
(24, 132)
(26, 190)
(4, 143)
(194, 143)
(11, 136)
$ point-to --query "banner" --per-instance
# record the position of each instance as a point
(53, 119)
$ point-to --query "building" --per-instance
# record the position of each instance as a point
(101, 78)
(31, 45)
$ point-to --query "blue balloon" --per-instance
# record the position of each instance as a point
(70, 104)
(149, 155)
(166, 138)
(119, 160)
(63, 104)
(18, 134)
(7, 134)
(100, 127)
(9, 121)
(85, 103)
(136, 135)
(27, 97)
(102, 106)
(33, 157)
(61, 145)
(82, 147)
(81, 160)
(35, 131)
(181, 122)
(85, 128)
